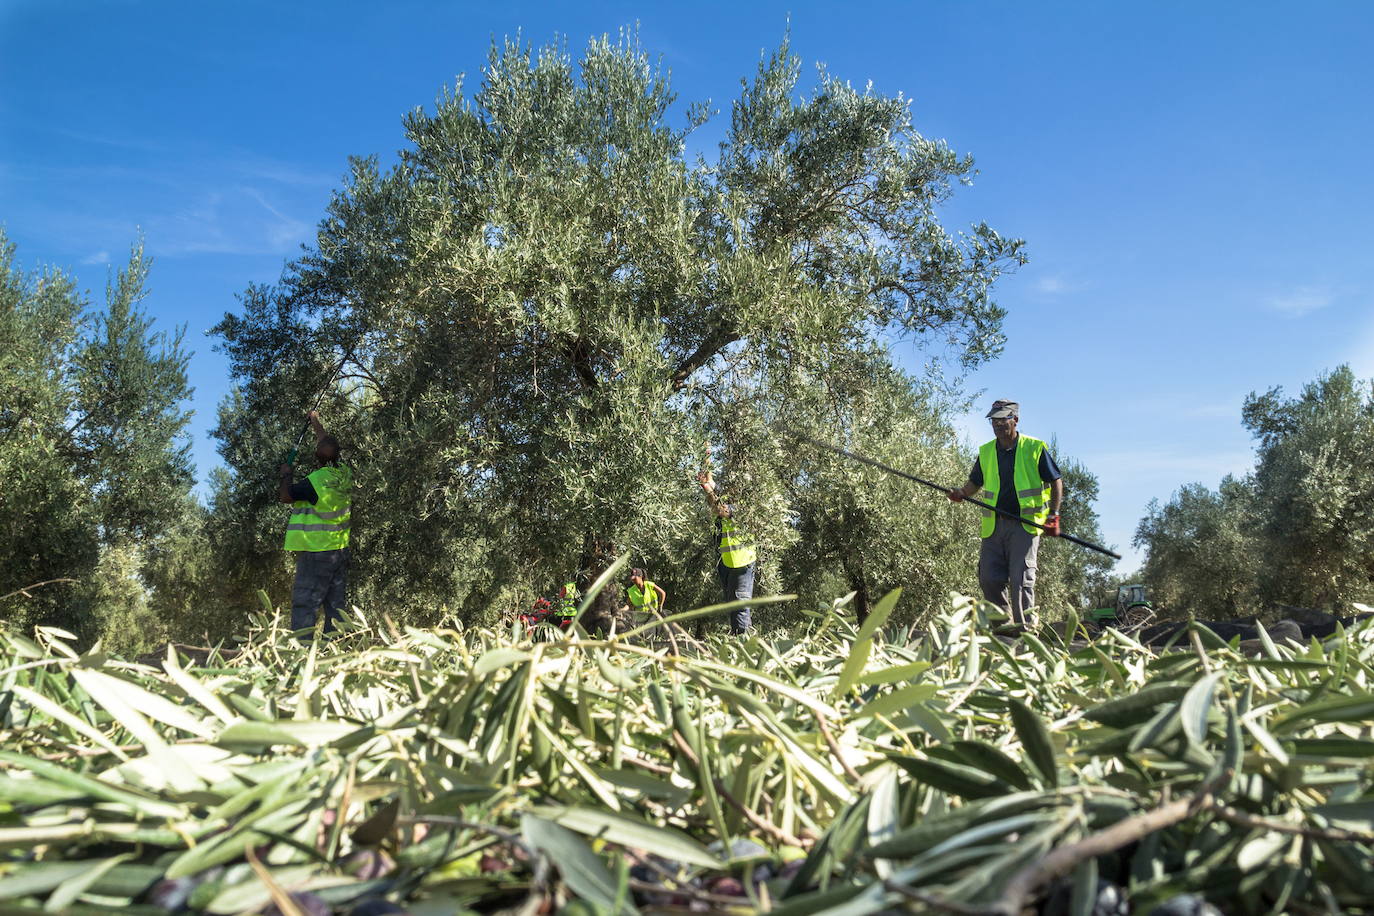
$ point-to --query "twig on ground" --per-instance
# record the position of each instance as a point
(1063, 859)
(283, 900)
(443, 820)
(1243, 819)
(1197, 648)
(834, 746)
(932, 900)
(649, 765)
(687, 890)
(539, 887)
(679, 886)
(749, 814)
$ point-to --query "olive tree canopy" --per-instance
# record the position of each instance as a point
(549, 305)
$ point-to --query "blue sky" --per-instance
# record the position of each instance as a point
(1193, 180)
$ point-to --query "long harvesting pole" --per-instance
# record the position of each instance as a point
(935, 486)
(296, 450)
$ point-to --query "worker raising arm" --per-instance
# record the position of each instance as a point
(735, 568)
(318, 531)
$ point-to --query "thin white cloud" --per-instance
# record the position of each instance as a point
(1218, 411)
(1361, 358)
(123, 141)
(287, 232)
(1173, 407)
(1164, 466)
(242, 162)
(96, 257)
(1301, 301)
(260, 168)
(1052, 285)
(235, 221)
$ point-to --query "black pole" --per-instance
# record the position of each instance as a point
(295, 452)
(935, 486)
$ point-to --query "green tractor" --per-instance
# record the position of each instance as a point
(1132, 609)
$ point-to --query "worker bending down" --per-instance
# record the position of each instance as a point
(643, 598)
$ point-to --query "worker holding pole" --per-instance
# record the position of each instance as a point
(318, 532)
(1018, 476)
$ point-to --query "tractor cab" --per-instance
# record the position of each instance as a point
(1131, 596)
(1132, 601)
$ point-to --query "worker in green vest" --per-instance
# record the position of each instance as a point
(735, 569)
(565, 608)
(1016, 474)
(643, 598)
(318, 532)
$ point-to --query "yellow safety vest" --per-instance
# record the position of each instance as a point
(325, 525)
(567, 604)
(736, 550)
(1032, 493)
(646, 598)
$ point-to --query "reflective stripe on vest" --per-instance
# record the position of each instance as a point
(648, 597)
(567, 604)
(326, 524)
(736, 550)
(1032, 493)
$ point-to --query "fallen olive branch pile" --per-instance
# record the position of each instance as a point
(937, 769)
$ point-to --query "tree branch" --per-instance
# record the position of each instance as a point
(933, 901)
(910, 300)
(709, 347)
(1063, 859)
(25, 590)
(685, 890)
(1243, 819)
(508, 837)
(579, 353)
(834, 746)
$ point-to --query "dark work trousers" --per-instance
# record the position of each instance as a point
(736, 585)
(321, 577)
(1006, 568)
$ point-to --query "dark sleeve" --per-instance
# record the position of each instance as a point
(976, 475)
(1048, 469)
(304, 491)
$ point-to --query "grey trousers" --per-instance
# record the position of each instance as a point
(321, 578)
(1006, 568)
(735, 585)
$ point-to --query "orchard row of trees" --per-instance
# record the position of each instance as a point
(99, 491)
(1298, 530)
(95, 479)
(527, 330)
(538, 318)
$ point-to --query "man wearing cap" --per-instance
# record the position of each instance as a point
(735, 569)
(1017, 475)
(318, 531)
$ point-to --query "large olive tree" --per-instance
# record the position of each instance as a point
(549, 304)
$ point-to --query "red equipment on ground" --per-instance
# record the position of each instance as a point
(545, 611)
